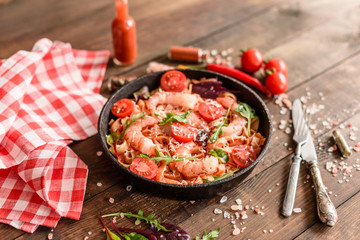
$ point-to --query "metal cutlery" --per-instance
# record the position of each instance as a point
(325, 208)
(300, 137)
(305, 148)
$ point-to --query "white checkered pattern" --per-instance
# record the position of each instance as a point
(48, 97)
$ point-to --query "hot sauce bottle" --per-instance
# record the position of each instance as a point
(124, 35)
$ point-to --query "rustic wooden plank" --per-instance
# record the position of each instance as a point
(349, 212)
(182, 22)
(8, 232)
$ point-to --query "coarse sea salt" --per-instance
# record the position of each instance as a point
(223, 199)
(297, 210)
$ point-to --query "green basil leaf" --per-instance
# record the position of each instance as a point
(220, 154)
(171, 117)
(247, 112)
(210, 236)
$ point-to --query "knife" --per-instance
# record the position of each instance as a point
(300, 137)
(325, 208)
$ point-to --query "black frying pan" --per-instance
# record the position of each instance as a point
(186, 192)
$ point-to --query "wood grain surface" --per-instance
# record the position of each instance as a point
(320, 42)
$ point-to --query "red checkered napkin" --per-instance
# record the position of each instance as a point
(48, 97)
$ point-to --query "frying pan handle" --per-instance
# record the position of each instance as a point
(325, 208)
(290, 193)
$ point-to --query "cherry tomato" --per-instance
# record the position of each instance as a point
(144, 167)
(183, 132)
(173, 81)
(276, 83)
(243, 155)
(122, 108)
(276, 65)
(251, 60)
(211, 110)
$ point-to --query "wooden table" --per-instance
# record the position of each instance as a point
(320, 42)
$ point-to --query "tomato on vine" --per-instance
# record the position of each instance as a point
(251, 60)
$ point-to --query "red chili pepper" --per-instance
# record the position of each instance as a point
(232, 72)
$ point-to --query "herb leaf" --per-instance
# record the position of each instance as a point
(220, 154)
(210, 236)
(226, 175)
(143, 93)
(217, 131)
(170, 117)
(140, 216)
(247, 112)
(210, 89)
(111, 138)
(133, 236)
(166, 158)
(149, 219)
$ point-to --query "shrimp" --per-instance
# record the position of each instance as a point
(195, 168)
(186, 149)
(226, 102)
(185, 100)
(235, 127)
(137, 140)
(196, 120)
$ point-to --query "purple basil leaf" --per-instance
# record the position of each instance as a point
(177, 233)
(143, 93)
(209, 89)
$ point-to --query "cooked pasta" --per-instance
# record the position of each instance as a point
(188, 139)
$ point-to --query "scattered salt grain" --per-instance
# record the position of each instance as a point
(99, 153)
(226, 214)
(99, 184)
(271, 231)
(223, 199)
(217, 211)
(330, 149)
(245, 216)
(111, 200)
(353, 138)
(89, 233)
(287, 130)
(137, 222)
(297, 210)
(238, 201)
(283, 111)
(236, 231)
(264, 231)
(269, 190)
(234, 207)
(50, 236)
(86, 238)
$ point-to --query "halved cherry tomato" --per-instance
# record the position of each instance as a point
(211, 110)
(276, 65)
(173, 81)
(122, 108)
(251, 60)
(276, 83)
(144, 167)
(183, 132)
(243, 155)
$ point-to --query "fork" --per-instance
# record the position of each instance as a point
(300, 137)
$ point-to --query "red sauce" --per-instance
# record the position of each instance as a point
(124, 35)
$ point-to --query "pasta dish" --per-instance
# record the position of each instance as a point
(186, 131)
